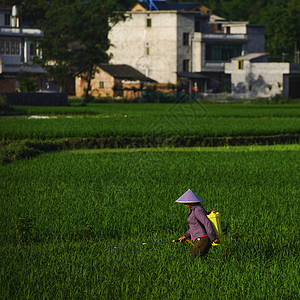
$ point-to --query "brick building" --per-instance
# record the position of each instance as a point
(114, 81)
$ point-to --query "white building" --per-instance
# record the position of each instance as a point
(182, 43)
(16, 48)
(252, 76)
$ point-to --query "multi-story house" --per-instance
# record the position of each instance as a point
(182, 43)
(16, 49)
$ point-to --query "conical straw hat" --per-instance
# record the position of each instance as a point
(189, 197)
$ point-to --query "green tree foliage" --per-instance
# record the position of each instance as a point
(75, 33)
(76, 36)
(27, 83)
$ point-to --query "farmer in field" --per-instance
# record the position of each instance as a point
(201, 230)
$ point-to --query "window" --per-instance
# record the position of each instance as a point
(17, 47)
(240, 64)
(101, 84)
(227, 54)
(197, 25)
(13, 47)
(32, 49)
(2, 47)
(228, 30)
(7, 20)
(10, 46)
(217, 52)
(219, 27)
(7, 47)
(185, 38)
(149, 24)
(186, 65)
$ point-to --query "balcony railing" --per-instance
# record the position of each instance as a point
(217, 66)
(20, 31)
(219, 37)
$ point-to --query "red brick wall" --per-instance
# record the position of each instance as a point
(7, 85)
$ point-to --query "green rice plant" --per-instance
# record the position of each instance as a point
(158, 110)
(127, 196)
(24, 230)
(173, 127)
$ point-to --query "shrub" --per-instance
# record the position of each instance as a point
(27, 83)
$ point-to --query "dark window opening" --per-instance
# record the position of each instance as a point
(7, 47)
(149, 23)
(17, 47)
(185, 38)
(222, 52)
(13, 47)
(7, 20)
(197, 24)
(2, 51)
(32, 50)
(240, 64)
(186, 65)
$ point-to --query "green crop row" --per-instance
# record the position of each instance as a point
(62, 214)
(158, 110)
(181, 126)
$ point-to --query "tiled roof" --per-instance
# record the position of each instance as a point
(4, 6)
(125, 72)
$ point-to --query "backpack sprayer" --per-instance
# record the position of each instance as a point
(191, 198)
(214, 218)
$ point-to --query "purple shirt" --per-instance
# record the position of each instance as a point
(199, 224)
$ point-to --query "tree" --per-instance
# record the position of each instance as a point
(76, 37)
(75, 34)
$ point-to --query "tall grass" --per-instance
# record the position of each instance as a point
(75, 206)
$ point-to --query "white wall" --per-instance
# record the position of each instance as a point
(257, 79)
(131, 39)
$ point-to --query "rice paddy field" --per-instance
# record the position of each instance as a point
(152, 120)
(62, 214)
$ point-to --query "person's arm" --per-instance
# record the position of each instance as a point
(186, 236)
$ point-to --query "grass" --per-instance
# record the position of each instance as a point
(62, 213)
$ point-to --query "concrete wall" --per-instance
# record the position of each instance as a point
(96, 89)
(132, 38)
(257, 79)
(236, 28)
(256, 39)
(164, 41)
